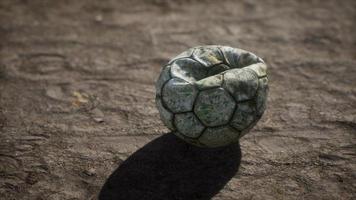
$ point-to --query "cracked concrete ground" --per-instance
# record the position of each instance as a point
(77, 100)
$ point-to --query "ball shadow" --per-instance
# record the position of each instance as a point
(169, 168)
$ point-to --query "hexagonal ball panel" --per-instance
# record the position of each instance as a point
(179, 95)
(208, 55)
(219, 136)
(188, 124)
(188, 70)
(214, 107)
(242, 84)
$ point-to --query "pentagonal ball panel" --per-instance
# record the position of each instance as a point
(219, 136)
(166, 116)
(179, 95)
(188, 124)
(244, 115)
(188, 70)
(242, 84)
(214, 107)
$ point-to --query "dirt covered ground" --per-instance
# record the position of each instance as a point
(77, 100)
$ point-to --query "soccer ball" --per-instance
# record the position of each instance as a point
(210, 96)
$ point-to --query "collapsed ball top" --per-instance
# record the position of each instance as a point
(212, 95)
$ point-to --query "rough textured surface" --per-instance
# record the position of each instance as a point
(54, 145)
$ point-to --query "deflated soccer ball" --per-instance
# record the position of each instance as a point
(210, 96)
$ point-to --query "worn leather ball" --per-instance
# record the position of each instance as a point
(210, 96)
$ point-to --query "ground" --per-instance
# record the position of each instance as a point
(77, 100)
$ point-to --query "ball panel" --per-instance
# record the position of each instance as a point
(242, 84)
(250, 126)
(188, 124)
(208, 55)
(231, 56)
(261, 96)
(219, 136)
(188, 139)
(185, 54)
(259, 68)
(166, 116)
(188, 70)
(163, 77)
(244, 115)
(214, 107)
(247, 59)
(217, 69)
(179, 95)
(210, 82)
